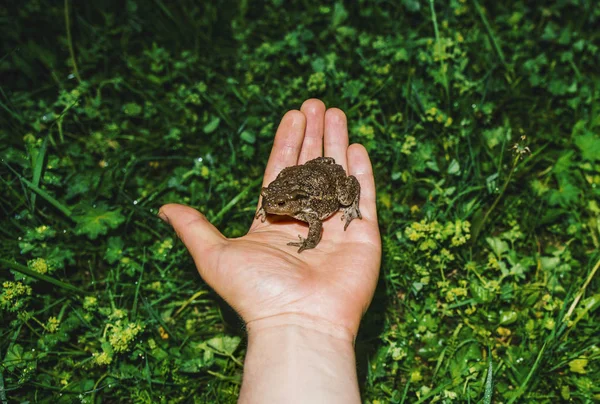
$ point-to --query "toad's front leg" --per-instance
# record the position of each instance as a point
(315, 228)
(349, 195)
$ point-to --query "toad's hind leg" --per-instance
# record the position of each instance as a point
(349, 195)
(315, 228)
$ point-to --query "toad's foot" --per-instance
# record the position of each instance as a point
(349, 195)
(304, 244)
(350, 213)
(262, 214)
(315, 228)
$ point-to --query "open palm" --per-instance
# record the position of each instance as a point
(261, 276)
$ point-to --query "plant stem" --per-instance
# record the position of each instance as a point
(581, 292)
(500, 195)
(70, 41)
(443, 66)
(26, 271)
(490, 33)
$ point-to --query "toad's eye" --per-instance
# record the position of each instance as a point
(281, 203)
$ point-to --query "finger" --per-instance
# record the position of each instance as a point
(336, 136)
(360, 167)
(287, 144)
(285, 151)
(200, 237)
(312, 147)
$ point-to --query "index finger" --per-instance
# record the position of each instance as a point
(287, 144)
(286, 149)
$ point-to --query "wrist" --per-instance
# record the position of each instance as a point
(296, 359)
(310, 325)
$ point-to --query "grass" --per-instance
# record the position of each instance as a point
(481, 120)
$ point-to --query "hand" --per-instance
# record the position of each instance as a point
(267, 281)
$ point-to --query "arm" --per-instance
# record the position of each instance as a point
(302, 310)
(294, 360)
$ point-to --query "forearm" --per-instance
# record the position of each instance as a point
(295, 361)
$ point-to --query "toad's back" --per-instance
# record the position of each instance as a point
(316, 177)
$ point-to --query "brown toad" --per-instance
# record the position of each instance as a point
(312, 192)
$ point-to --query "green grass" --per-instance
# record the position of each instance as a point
(482, 120)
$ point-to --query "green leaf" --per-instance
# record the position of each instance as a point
(352, 89)
(248, 137)
(589, 144)
(193, 365)
(549, 264)
(224, 344)
(497, 136)
(114, 249)
(95, 221)
(212, 125)
(14, 358)
(412, 5)
(508, 317)
(498, 246)
(454, 167)
(339, 14)
(132, 109)
(566, 194)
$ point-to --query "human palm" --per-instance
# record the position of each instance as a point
(263, 277)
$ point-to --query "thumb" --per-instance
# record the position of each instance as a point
(200, 237)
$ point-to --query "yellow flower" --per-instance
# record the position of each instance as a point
(90, 302)
(11, 294)
(578, 365)
(428, 244)
(366, 131)
(102, 359)
(503, 332)
(123, 334)
(53, 324)
(41, 229)
(163, 333)
(549, 324)
(415, 376)
(409, 143)
(454, 293)
(317, 82)
(39, 265)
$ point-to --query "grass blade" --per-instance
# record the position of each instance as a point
(523, 387)
(26, 271)
(443, 67)
(490, 33)
(489, 383)
(51, 200)
(215, 219)
(37, 170)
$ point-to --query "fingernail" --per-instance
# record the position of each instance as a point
(163, 217)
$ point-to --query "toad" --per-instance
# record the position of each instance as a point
(312, 192)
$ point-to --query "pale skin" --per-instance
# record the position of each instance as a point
(302, 311)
